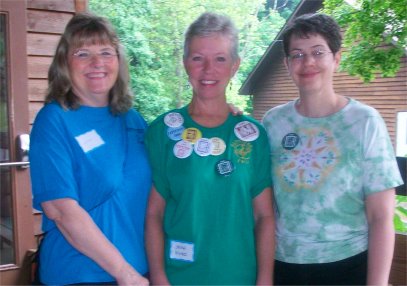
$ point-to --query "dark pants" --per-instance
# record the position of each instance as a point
(350, 271)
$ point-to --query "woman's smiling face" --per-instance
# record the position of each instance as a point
(314, 70)
(93, 70)
(210, 65)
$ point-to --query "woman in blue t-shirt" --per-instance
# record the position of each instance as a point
(89, 169)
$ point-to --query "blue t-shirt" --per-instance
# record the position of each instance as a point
(98, 159)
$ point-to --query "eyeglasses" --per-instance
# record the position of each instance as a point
(85, 55)
(299, 57)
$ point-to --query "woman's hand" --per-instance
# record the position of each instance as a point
(234, 110)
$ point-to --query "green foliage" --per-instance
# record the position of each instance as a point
(400, 214)
(153, 32)
(375, 36)
(129, 19)
(283, 7)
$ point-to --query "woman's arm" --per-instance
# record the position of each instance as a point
(264, 219)
(83, 234)
(155, 238)
(380, 212)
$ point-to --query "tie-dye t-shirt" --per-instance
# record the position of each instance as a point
(322, 170)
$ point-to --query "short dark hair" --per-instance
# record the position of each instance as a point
(314, 24)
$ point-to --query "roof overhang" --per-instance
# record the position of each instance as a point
(304, 7)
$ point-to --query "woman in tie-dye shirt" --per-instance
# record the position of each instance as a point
(334, 171)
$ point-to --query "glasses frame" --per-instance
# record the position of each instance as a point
(299, 57)
(104, 55)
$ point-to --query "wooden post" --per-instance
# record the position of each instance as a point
(81, 5)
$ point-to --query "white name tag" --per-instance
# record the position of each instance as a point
(89, 140)
(182, 250)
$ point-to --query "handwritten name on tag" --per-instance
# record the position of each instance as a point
(182, 250)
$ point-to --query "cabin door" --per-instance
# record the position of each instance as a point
(16, 216)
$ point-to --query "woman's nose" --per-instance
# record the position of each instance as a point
(309, 59)
(208, 65)
(96, 60)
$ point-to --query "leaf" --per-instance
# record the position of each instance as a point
(376, 24)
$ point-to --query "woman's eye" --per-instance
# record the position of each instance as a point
(297, 56)
(196, 58)
(82, 54)
(221, 59)
(108, 54)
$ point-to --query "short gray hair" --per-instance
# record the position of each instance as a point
(208, 24)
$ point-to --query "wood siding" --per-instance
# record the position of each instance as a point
(387, 95)
(398, 274)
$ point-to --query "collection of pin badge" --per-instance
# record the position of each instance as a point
(191, 140)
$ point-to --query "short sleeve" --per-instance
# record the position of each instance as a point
(51, 166)
(379, 166)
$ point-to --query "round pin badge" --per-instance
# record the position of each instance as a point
(191, 134)
(175, 133)
(173, 119)
(224, 167)
(203, 147)
(182, 149)
(290, 141)
(246, 131)
(218, 146)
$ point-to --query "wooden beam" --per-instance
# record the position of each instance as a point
(81, 5)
